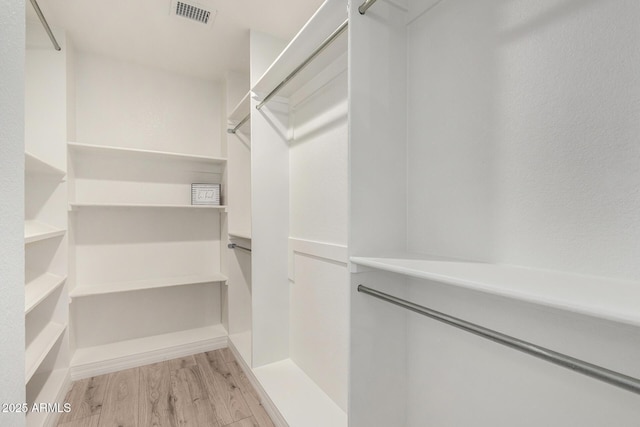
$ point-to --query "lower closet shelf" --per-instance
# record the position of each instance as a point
(40, 347)
(50, 387)
(38, 287)
(84, 291)
(300, 401)
(35, 231)
(106, 358)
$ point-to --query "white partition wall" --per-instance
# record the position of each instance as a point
(509, 148)
(299, 290)
(270, 224)
(45, 210)
(239, 201)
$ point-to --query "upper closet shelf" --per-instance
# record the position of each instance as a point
(35, 165)
(241, 110)
(331, 16)
(36, 230)
(239, 234)
(109, 150)
(240, 115)
(76, 206)
(110, 288)
(610, 299)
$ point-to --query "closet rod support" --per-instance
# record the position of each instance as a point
(304, 63)
(243, 121)
(235, 246)
(366, 5)
(45, 24)
(580, 366)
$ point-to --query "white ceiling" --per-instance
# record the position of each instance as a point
(144, 31)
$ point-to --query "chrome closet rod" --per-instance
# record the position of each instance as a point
(45, 24)
(366, 5)
(310, 58)
(234, 246)
(611, 377)
(243, 121)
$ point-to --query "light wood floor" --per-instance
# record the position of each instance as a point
(208, 389)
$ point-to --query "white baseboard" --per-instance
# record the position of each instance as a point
(142, 358)
(267, 403)
(52, 418)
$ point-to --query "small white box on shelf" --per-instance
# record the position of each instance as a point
(205, 194)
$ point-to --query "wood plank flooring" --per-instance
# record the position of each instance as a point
(208, 390)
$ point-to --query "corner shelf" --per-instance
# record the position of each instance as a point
(35, 165)
(40, 347)
(105, 149)
(38, 287)
(35, 231)
(85, 291)
(322, 24)
(601, 297)
(76, 206)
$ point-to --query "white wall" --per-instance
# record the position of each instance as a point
(378, 210)
(523, 134)
(12, 52)
(318, 158)
(522, 149)
(130, 105)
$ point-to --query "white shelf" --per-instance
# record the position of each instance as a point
(35, 165)
(84, 291)
(40, 347)
(151, 344)
(36, 230)
(239, 235)
(610, 299)
(104, 149)
(38, 287)
(321, 25)
(75, 206)
(54, 386)
(241, 110)
(300, 401)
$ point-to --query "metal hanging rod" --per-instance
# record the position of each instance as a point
(366, 5)
(243, 121)
(45, 24)
(310, 58)
(611, 377)
(235, 246)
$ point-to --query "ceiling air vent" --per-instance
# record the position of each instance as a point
(193, 11)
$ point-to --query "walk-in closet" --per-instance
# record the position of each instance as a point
(320, 213)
